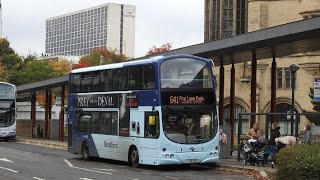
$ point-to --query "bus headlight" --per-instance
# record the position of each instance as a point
(166, 155)
(172, 156)
(215, 154)
(211, 154)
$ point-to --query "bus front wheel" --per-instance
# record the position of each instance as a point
(85, 151)
(134, 157)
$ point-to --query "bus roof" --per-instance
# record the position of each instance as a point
(131, 63)
(117, 65)
(8, 84)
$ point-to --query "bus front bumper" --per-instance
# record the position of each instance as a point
(7, 134)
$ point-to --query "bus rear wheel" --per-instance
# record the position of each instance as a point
(85, 151)
(134, 157)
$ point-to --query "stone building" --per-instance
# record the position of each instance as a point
(261, 14)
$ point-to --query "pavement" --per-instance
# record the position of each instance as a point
(257, 172)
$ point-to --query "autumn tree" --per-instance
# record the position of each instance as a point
(100, 56)
(62, 67)
(41, 99)
(157, 50)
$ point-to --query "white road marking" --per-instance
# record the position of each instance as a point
(6, 160)
(92, 170)
(146, 173)
(86, 179)
(104, 169)
(171, 177)
(38, 178)
(9, 169)
(69, 163)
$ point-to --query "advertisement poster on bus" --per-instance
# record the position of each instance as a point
(127, 101)
(316, 90)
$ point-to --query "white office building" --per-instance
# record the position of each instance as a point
(0, 19)
(109, 26)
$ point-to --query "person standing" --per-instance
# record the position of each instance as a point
(307, 135)
(222, 137)
(275, 133)
(254, 132)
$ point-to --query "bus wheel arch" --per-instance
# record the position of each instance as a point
(133, 156)
(85, 150)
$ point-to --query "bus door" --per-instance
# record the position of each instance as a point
(148, 129)
(71, 117)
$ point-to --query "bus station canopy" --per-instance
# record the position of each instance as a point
(283, 40)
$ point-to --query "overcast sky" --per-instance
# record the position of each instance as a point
(180, 22)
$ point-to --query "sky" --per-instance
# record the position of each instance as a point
(179, 22)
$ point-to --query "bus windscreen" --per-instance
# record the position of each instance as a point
(185, 73)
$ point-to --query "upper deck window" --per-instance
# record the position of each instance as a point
(185, 73)
(6, 91)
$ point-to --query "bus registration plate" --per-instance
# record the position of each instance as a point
(191, 160)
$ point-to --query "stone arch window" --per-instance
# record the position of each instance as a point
(284, 121)
(245, 118)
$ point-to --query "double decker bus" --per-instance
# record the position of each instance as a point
(7, 111)
(157, 111)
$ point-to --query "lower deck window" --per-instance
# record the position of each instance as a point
(98, 122)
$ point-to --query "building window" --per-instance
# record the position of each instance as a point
(284, 78)
(284, 121)
(245, 126)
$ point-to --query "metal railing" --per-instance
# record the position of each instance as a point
(294, 129)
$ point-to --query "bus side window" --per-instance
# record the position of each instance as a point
(120, 79)
(86, 82)
(152, 127)
(148, 77)
(135, 77)
(75, 83)
(106, 80)
(96, 81)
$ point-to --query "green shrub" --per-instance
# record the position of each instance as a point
(299, 162)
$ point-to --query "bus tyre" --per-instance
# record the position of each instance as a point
(134, 157)
(85, 151)
(5, 139)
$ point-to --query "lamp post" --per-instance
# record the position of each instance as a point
(293, 68)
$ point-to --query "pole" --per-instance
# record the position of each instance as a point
(292, 105)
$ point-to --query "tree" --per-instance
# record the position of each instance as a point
(100, 56)
(3, 73)
(61, 67)
(316, 107)
(41, 99)
(157, 50)
(5, 47)
(10, 61)
(30, 57)
(7, 56)
(35, 71)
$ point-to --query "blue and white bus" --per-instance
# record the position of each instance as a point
(157, 111)
(7, 111)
